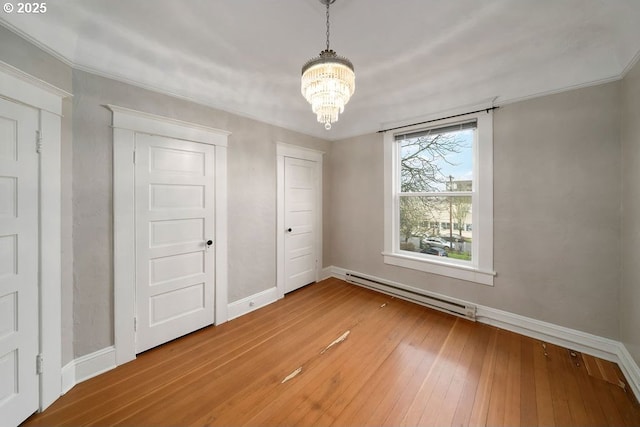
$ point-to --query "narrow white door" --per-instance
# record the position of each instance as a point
(300, 195)
(18, 263)
(175, 245)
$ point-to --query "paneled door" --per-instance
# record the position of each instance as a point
(300, 195)
(174, 193)
(18, 263)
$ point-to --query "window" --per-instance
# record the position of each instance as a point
(439, 198)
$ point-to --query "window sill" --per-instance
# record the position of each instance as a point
(442, 268)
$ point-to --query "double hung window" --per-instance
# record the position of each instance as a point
(439, 198)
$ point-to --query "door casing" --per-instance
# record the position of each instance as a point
(126, 122)
(286, 150)
(18, 86)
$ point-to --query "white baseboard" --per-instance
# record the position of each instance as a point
(252, 302)
(338, 273)
(96, 363)
(326, 272)
(630, 369)
(87, 366)
(68, 376)
(583, 342)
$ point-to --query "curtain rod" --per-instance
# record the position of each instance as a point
(437, 120)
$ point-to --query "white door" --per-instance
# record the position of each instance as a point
(300, 195)
(174, 238)
(18, 263)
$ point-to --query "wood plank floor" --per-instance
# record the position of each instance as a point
(336, 354)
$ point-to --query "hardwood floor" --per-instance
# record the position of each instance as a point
(293, 363)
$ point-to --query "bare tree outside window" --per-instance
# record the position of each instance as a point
(433, 162)
(423, 158)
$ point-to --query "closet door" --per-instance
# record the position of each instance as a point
(175, 256)
(19, 396)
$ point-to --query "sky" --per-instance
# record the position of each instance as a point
(462, 168)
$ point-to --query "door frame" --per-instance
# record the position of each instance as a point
(287, 150)
(126, 122)
(20, 87)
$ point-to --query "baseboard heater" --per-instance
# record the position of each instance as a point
(424, 298)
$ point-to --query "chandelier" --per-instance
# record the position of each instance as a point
(328, 81)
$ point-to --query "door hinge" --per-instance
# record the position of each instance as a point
(134, 157)
(39, 363)
(38, 141)
(135, 324)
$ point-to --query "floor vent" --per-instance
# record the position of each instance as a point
(437, 302)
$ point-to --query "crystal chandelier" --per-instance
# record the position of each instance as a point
(328, 81)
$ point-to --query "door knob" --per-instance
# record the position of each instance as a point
(289, 230)
(209, 242)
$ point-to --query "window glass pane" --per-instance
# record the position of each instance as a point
(436, 226)
(435, 162)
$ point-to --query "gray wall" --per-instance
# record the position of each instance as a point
(556, 212)
(21, 54)
(630, 285)
(252, 197)
(557, 186)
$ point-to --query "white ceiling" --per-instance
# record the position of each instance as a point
(413, 58)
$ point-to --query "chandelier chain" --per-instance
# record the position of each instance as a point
(328, 2)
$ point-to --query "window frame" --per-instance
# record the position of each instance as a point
(480, 268)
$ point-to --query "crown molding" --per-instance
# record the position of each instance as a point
(60, 57)
(28, 78)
